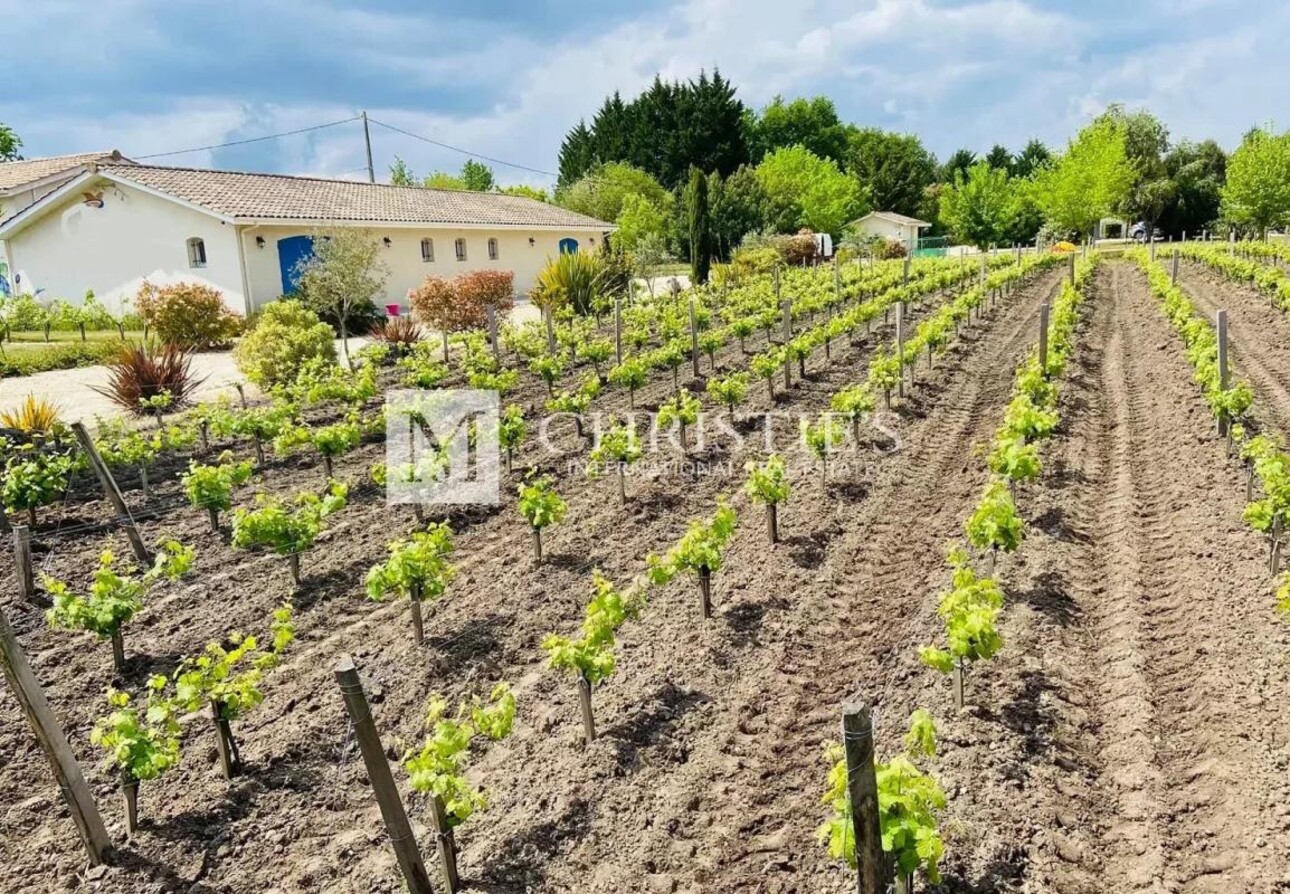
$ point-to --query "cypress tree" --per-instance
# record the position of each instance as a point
(700, 227)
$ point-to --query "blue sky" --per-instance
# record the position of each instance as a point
(507, 79)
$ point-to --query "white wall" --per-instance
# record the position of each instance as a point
(134, 236)
(403, 257)
(887, 229)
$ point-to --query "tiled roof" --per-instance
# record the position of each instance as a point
(18, 173)
(240, 196)
(898, 218)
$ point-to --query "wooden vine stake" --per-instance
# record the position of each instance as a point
(550, 330)
(397, 826)
(694, 339)
(900, 347)
(1044, 310)
(445, 844)
(492, 332)
(67, 772)
(705, 592)
(112, 492)
(1173, 273)
(22, 560)
(862, 789)
(418, 621)
(618, 331)
(230, 761)
(1070, 267)
(956, 683)
(584, 702)
(787, 307)
(1223, 373)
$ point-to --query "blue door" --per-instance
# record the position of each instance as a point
(292, 252)
(568, 246)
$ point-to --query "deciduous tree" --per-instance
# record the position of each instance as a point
(1257, 194)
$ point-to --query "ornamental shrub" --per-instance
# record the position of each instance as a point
(461, 303)
(286, 336)
(189, 314)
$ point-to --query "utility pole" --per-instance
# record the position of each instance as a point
(367, 142)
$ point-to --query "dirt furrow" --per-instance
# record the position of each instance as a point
(1258, 338)
(1170, 648)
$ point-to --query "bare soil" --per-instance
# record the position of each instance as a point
(1129, 729)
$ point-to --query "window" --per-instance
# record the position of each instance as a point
(492, 249)
(461, 249)
(196, 252)
(427, 250)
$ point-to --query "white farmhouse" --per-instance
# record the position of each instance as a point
(891, 226)
(114, 225)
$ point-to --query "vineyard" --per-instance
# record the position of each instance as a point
(1023, 515)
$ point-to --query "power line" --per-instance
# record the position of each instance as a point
(496, 161)
(272, 136)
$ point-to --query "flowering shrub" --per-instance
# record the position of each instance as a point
(189, 314)
(461, 303)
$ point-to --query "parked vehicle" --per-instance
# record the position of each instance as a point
(1138, 232)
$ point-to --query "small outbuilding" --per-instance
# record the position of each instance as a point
(891, 226)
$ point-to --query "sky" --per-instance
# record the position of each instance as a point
(507, 79)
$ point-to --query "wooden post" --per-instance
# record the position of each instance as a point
(956, 681)
(22, 560)
(537, 546)
(444, 844)
(446, 358)
(905, 280)
(492, 331)
(776, 282)
(418, 622)
(1174, 272)
(694, 339)
(378, 771)
(1070, 267)
(1223, 374)
(837, 281)
(1151, 246)
(550, 330)
(228, 762)
(618, 331)
(241, 394)
(1043, 339)
(900, 346)
(786, 308)
(67, 772)
(862, 789)
(584, 701)
(705, 593)
(112, 492)
(1275, 561)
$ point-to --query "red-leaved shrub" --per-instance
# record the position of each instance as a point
(188, 313)
(138, 372)
(461, 303)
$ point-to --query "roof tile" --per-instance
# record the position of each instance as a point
(19, 173)
(241, 195)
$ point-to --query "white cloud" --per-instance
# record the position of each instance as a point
(970, 74)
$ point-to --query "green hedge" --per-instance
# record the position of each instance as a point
(60, 355)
